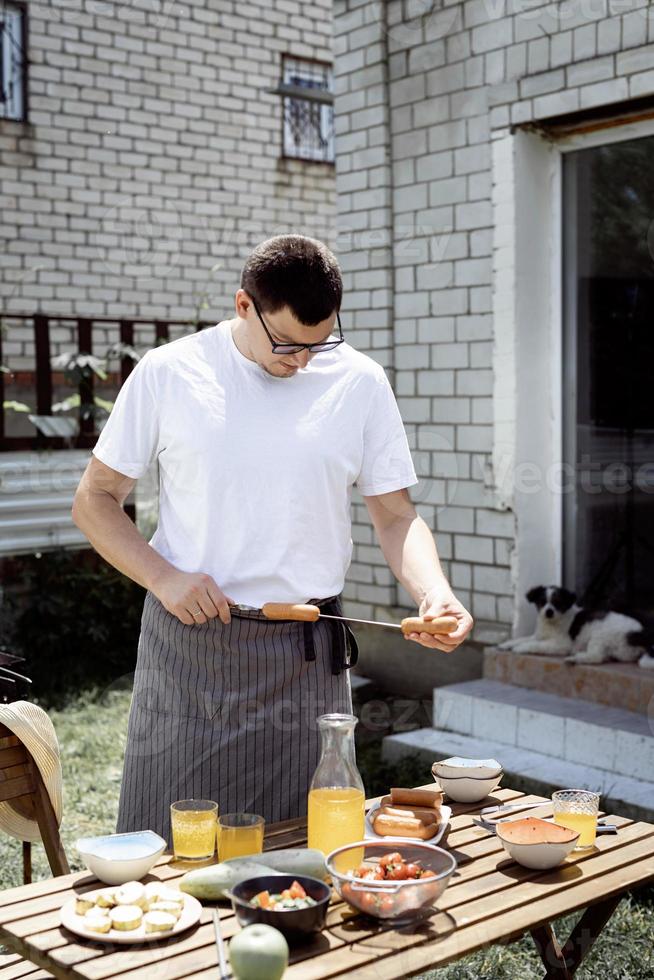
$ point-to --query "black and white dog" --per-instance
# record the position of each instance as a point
(583, 636)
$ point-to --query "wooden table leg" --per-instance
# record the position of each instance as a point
(562, 963)
(47, 821)
(550, 953)
(27, 862)
(587, 931)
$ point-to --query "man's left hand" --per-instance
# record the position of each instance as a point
(443, 603)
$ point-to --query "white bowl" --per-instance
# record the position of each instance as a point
(536, 843)
(468, 789)
(458, 766)
(118, 858)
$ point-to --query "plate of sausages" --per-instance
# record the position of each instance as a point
(414, 814)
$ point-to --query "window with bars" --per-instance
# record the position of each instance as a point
(307, 91)
(13, 97)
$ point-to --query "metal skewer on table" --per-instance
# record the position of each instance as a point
(220, 946)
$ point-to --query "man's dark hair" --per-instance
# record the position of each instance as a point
(294, 271)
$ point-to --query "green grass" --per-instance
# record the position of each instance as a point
(91, 733)
(624, 951)
(91, 737)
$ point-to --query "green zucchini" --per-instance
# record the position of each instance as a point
(214, 881)
(291, 861)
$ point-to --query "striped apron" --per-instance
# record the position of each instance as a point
(228, 712)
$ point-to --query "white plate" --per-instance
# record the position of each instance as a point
(446, 813)
(191, 913)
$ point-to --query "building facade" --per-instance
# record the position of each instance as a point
(145, 148)
(152, 150)
(496, 197)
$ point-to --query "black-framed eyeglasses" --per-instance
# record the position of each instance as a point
(296, 348)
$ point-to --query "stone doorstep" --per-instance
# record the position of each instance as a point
(609, 739)
(528, 771)
(617, 685)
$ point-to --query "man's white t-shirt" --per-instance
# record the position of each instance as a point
(255, 472)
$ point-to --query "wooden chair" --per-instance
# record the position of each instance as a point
(22, 783)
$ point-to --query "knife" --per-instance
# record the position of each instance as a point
(602, 827)
(304, 612)
(491, 825)
(507, 807)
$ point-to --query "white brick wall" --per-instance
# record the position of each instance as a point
(453, 76)
(152, 153)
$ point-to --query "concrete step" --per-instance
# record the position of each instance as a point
(617, 685)
(526, 770)
(358, 682)
(608, 739)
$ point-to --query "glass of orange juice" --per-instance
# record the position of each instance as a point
(239, 834)
(577, 809)
(194, 829)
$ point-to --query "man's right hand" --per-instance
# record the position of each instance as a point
(98, 513)
(192, 596)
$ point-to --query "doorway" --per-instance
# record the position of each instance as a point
(607, 372)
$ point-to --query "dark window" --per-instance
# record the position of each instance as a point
(308, 122)
(13, 97)
(608, 356)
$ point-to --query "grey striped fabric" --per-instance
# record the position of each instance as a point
(225, 713)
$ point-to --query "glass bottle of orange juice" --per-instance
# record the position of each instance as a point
(336, 804)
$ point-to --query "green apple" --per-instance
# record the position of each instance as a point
(258, 952)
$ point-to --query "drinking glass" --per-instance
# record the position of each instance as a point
(239, 834)
(194, 829)
(577, 809)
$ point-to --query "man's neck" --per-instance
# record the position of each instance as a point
(239, 335)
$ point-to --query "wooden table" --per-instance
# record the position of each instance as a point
(490, 899)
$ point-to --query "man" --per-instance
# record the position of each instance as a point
(260, 425)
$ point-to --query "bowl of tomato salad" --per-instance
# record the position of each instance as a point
(394, 879)
(294, 904)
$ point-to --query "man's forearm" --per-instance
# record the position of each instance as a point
(409, 548)
(114, 536)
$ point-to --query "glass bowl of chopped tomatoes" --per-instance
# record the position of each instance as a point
(391, 879)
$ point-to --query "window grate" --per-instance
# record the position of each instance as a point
(12, 62)
(308, 121)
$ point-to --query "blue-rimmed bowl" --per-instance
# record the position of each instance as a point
(117, 858)
(457, 766)
(467, 780)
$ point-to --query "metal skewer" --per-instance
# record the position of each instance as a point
(310, 613)
(220, 946)
(368, 622)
